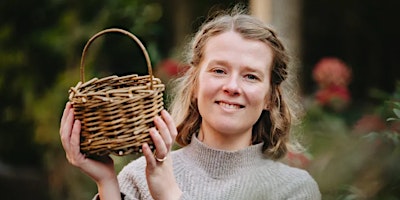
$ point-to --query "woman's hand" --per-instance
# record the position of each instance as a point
(159, 173)
(101, 170)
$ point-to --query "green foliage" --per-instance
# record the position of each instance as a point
(396, 111)
(39, 61)
(353, 163)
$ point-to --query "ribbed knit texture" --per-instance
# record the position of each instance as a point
(210, 174)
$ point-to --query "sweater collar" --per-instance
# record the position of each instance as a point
(221, 163)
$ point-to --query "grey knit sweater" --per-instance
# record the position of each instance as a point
(210, 174)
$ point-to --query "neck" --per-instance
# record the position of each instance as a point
(228, 142)
(219, 163)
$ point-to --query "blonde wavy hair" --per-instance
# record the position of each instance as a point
(273, 126)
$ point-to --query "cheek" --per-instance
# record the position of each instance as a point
(203, 99)
(194, 80)
(259, 96)
(260, 102)
(207, 85)
(205, 90)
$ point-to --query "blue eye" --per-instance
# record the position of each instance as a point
(251, 77)
(219, 71)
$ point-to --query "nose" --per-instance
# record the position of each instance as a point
(232, 86)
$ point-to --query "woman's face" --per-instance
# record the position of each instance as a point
(234, 84)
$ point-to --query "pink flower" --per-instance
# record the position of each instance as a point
(369, 123)
(336, 97)
(300, 160)
(171, 68)
(331, 71)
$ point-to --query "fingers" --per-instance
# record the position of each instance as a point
(70, 134)
(164, 136)
(166, 126)
(67, 108)
(75, 138)
(148, 154)
(66, 128)
(170, 123)
(70, 129)
(163, 131)
(162, 149)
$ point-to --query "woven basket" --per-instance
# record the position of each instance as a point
(116, 113)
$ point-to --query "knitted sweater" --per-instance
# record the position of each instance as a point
(210, 174)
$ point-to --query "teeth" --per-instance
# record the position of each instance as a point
(230, 106)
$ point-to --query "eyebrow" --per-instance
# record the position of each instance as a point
(246, 68)
(218, 62)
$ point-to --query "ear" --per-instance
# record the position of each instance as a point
(194, 94)
(266, 106)
(267, 103)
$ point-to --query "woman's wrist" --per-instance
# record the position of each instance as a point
(109, 189)
(176, 193)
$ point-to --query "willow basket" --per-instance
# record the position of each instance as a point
(116, 113)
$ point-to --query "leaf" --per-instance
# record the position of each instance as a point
(392, 119)
(371, 136)
(393, 136)
(397, 112)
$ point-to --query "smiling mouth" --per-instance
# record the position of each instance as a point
(229, 105)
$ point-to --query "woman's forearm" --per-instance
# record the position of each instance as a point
(109, 189)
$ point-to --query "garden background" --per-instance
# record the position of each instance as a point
(345, 50)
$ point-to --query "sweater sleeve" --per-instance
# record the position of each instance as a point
(306, 188)
(185, 196)
(96, 197)
(129, 184)
(132, 180)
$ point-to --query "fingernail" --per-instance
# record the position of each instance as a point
(153, 130)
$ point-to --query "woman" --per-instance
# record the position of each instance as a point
(229, 116)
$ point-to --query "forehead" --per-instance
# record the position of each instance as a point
(232, 47)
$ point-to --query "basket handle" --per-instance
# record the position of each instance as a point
(146, 55)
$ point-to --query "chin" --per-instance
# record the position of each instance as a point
(229, 129)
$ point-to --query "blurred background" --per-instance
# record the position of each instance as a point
(346, 53)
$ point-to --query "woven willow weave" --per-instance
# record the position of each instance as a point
(116, 113)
